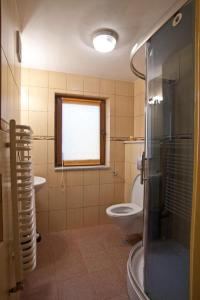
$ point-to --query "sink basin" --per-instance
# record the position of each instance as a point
(38, 182)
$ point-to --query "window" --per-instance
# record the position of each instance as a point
(79, 131)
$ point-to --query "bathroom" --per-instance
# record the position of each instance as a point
(99, 150)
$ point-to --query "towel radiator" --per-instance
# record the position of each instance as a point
(23, 201)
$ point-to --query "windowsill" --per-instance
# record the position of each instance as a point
(100, 167)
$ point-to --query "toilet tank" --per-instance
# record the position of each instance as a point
(137, 192)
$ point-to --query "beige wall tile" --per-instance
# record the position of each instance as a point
(38, 122)
(139, 105)
(107, 156)
(54, 178)
(41, 198)
(50, 123)
(74, 218)
(25, 76)
(119, 151)
(24, 117)
(57, 80)
(107, 86)
(139, 124)
(139, 87)
(89, 188)
(56, 199)
(128, 173)
(134, 172)
(57, 220)
(38, 78)
(103, 218)
(39, 152)
(112, 104)
(42, 219)
(50, 152)
(119, 170)
(112, 151)
(74, 197)
(24, 98)
(112, 122)
(91, 216)
(106, 194)
(124, 106)
(51, 98)
(38, 99)
(40, 170)
(90, 177)
(72, 93)
(106, 176)
(91, 195)
(119, 193)
(127, 193)
(74, 82)
(4, 86)
(91, 85)
(124, 126)
(9, 106)
(74, 178)
(132, 151)
(124, 88)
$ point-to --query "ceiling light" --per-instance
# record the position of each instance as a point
(104, 40)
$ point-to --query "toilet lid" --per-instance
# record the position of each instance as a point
(137, 192)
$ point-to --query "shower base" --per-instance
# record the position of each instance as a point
(135, 266)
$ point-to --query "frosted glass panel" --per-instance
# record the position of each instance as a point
(169, 153)
(80, 131)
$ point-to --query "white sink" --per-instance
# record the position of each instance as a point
(38, 182)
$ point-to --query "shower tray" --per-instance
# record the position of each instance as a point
(135, 271)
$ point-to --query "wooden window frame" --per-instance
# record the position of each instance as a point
(59, 100)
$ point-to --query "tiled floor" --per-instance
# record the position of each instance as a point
(84, 264)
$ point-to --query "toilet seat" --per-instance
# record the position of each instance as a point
(124, 209)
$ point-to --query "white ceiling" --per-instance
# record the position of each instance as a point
(56, 34)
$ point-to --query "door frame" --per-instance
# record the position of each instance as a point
(195, 226)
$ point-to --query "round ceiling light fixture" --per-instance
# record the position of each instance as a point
(104, 40)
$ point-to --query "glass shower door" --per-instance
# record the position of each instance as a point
(169, 154)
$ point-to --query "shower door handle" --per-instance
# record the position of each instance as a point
(142, 168)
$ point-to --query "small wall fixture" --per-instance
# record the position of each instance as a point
(105, 40)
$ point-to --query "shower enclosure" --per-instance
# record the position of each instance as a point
(169, 157)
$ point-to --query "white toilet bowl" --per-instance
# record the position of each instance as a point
(129, 216)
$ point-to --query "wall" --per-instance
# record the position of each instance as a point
(139, 102)
(10, 90)
(132, 151)
(83, 200)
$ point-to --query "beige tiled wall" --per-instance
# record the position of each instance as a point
(139, 100)
(132, 152)
(75, 198)
(10, 91)
(11, 70)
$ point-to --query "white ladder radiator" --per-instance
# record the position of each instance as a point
(23, 200)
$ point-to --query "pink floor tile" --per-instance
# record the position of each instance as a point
(120, 297)
(45, 292)
(85, 264)
(70, 267)
(98, 262)
(79, 288)
(40, 277)
(108, 283)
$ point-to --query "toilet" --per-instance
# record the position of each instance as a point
(129, 216)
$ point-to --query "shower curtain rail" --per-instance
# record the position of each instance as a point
(141, 42)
